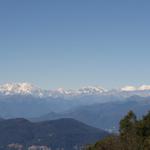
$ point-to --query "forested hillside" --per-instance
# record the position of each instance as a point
(134, 134)
(19, 134)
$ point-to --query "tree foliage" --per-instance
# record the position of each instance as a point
(134, 134)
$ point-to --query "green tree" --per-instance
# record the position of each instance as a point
(127, 124)
(134, 135)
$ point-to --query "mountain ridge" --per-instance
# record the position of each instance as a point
(105, 116)
(61, 133)
(30, 89)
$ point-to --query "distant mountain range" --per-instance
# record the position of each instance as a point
(29, 89)
(95, 106)
(105, 116)
(66, 134)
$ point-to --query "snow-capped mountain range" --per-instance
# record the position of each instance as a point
(29, 89)
(27, 100)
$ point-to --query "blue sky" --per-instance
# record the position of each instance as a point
(74, 43)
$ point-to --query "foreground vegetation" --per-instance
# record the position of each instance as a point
(134, 134)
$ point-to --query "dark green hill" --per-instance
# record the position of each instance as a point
(62, 133)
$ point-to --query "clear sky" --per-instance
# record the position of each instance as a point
(74, 43)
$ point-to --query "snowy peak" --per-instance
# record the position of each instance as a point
(29, 89)
(144, 87)
(128, 88)
(90, 90)
(143, 90)
(133, 88)
(20, 88)
(65, 92)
